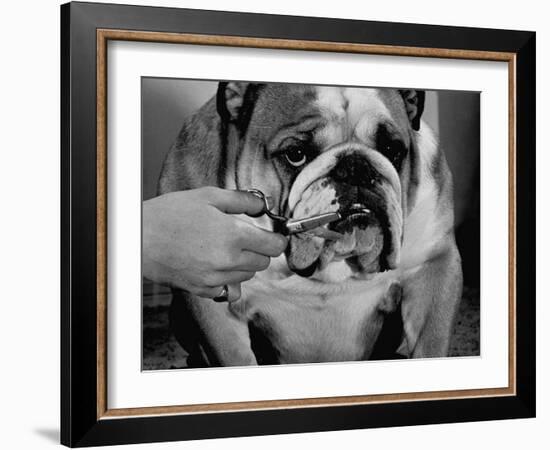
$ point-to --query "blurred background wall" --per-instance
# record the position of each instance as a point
(453, 115)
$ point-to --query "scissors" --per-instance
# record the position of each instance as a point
(312, 224)
(295, 226)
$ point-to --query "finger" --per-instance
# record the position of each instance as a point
(228, 277)
(234, 292)
(264, 242)
(236, 202)
(251, 262)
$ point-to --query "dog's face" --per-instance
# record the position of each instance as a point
(326, 149)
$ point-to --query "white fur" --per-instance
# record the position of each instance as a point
(423, 227)
(351, 112)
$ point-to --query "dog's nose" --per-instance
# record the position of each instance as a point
(353, 169)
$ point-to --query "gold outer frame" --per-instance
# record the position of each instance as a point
(104, 35)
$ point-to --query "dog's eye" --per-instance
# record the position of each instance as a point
(296, 156)
(392, 149)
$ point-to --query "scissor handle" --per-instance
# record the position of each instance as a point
(265, 209)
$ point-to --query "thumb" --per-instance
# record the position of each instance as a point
(237, 202)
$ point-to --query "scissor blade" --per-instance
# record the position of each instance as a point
(310, 223)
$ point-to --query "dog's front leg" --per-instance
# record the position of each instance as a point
(431, 296)
(202, 325)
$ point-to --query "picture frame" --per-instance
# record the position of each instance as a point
(86, 418)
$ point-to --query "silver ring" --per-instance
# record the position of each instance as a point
(222, 296)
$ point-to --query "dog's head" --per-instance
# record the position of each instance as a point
(325, 149)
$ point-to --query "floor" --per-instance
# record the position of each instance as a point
(161, 350)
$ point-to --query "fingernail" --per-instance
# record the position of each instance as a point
(269, 201)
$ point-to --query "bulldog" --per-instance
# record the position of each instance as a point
(388, 286)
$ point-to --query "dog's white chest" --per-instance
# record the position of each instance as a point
(304, 321)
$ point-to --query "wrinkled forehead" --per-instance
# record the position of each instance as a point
(337, 114)
(356, 113)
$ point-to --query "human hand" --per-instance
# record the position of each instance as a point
(193, 241)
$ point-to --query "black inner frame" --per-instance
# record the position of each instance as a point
(79, 424)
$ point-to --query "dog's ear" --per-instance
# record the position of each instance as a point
(198, 157)
(230, 99)
(414, 105)
(235, 102)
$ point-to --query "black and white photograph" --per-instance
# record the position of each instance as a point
(291, 223)
(276, 225)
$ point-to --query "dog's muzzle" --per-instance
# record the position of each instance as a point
(363, 187)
